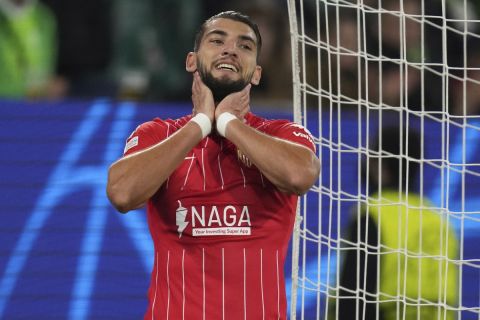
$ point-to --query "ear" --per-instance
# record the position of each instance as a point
(191, 62)
(257, 74)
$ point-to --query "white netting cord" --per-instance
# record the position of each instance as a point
(297, 118)
(322, 91)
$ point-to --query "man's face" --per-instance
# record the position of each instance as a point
(227, 57)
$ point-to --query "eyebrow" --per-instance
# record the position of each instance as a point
(224, 33)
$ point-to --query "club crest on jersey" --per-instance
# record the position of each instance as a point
(223, 220)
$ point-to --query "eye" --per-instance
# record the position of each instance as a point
(216, 41)
(246, 46)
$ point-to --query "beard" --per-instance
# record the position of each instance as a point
(221, 87)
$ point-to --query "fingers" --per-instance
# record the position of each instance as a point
(244, 95)
(237, 103)
(196, 83)
(202, 97)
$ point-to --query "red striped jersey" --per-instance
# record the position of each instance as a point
(220, 229)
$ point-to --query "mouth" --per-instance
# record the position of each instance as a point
(227, 66)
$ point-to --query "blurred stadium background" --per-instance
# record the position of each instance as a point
(65, 253)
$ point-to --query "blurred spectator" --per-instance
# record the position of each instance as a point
(463, 14)
(464, 83)
(395, 244)
(28, 50)
(396, 29)
(345, 65)
(135, 49)
(463, 58)
(84, 45)
(413, 37)
(276, 88)
(396, 38)
(446, 45)
(151, 40)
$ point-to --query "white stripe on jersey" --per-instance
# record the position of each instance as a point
(156, 285)
(183, 284)
(223, 283)
(203, 171)
(261, 282)
(244, 285)
(220, 169)
(188, 172)
(168, 284)
(261, 125)
(218, 160)
(203, 165)
(278, 289)
(168, 129)
(244, 180)
(203, 275)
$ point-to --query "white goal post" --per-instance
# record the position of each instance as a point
(390, 90)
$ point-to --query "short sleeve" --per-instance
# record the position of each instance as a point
(147, 135)
(292, 132)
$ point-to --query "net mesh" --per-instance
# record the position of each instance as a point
(390, 90)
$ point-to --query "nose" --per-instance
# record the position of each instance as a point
(229, 49)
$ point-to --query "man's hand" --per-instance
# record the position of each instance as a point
(291, 167)
(237, 103)
(202, 97)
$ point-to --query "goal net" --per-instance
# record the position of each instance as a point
(390, 89)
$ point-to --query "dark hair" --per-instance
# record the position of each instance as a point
(405, 149)
(232, 15)
(399, 146)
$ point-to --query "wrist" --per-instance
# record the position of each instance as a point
(204, 122)
(222, 122)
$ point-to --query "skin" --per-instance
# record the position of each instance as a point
(291, 167)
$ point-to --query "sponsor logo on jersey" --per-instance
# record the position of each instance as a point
(180, 217)
(296, 125)
(304, 135)
(224, 220)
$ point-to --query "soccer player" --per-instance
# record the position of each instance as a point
(221, 187)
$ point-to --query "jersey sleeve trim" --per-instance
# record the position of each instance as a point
(289, 131)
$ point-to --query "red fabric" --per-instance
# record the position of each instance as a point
(228, 260)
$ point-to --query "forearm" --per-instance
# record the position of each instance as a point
(133, 179)
(290, 167)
